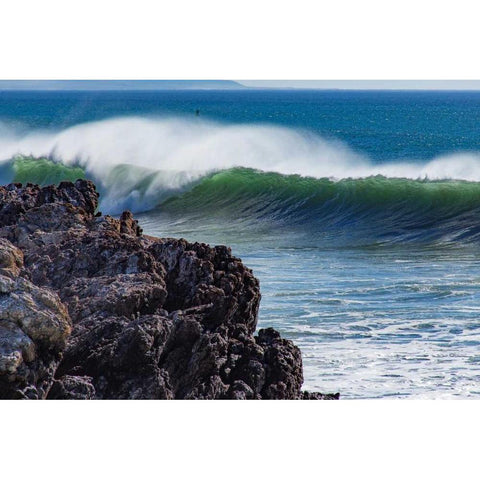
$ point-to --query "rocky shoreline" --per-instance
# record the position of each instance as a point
(90, 308)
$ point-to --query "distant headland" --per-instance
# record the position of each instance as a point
(120, 85)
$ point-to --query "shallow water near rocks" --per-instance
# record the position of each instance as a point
(376, 322)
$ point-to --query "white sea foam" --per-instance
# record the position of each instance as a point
(174, 152)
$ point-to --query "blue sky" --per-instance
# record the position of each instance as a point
(320, 84)
(368, 84)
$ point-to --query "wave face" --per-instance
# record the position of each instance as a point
(251, 174)
(349, 211)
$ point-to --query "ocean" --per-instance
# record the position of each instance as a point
(357, 210)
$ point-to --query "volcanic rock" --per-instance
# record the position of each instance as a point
(34, 327)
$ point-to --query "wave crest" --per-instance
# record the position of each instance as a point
(248, 171)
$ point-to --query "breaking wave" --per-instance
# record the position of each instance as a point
(253, 173)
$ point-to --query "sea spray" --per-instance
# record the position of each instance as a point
(196, 147)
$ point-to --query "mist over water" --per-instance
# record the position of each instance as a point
(139, 162)
(358, 212)
(199, 146)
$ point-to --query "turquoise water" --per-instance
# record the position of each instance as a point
(358, 211)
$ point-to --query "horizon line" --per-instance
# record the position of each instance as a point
(186, 84)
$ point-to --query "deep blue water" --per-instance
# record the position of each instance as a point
(386, 125)
(358, 211)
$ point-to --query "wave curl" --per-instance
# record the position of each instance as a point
(252, 172)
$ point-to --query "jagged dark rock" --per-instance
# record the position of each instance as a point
(72, 388)
(34, 327)
(125, 315)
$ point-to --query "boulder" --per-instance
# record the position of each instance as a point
(34, 328)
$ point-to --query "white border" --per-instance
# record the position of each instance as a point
(244, 39)
(238, 440)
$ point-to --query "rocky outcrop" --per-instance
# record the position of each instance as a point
(34, 327)
(91, 308)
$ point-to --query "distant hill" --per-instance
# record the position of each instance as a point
(119, 84)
